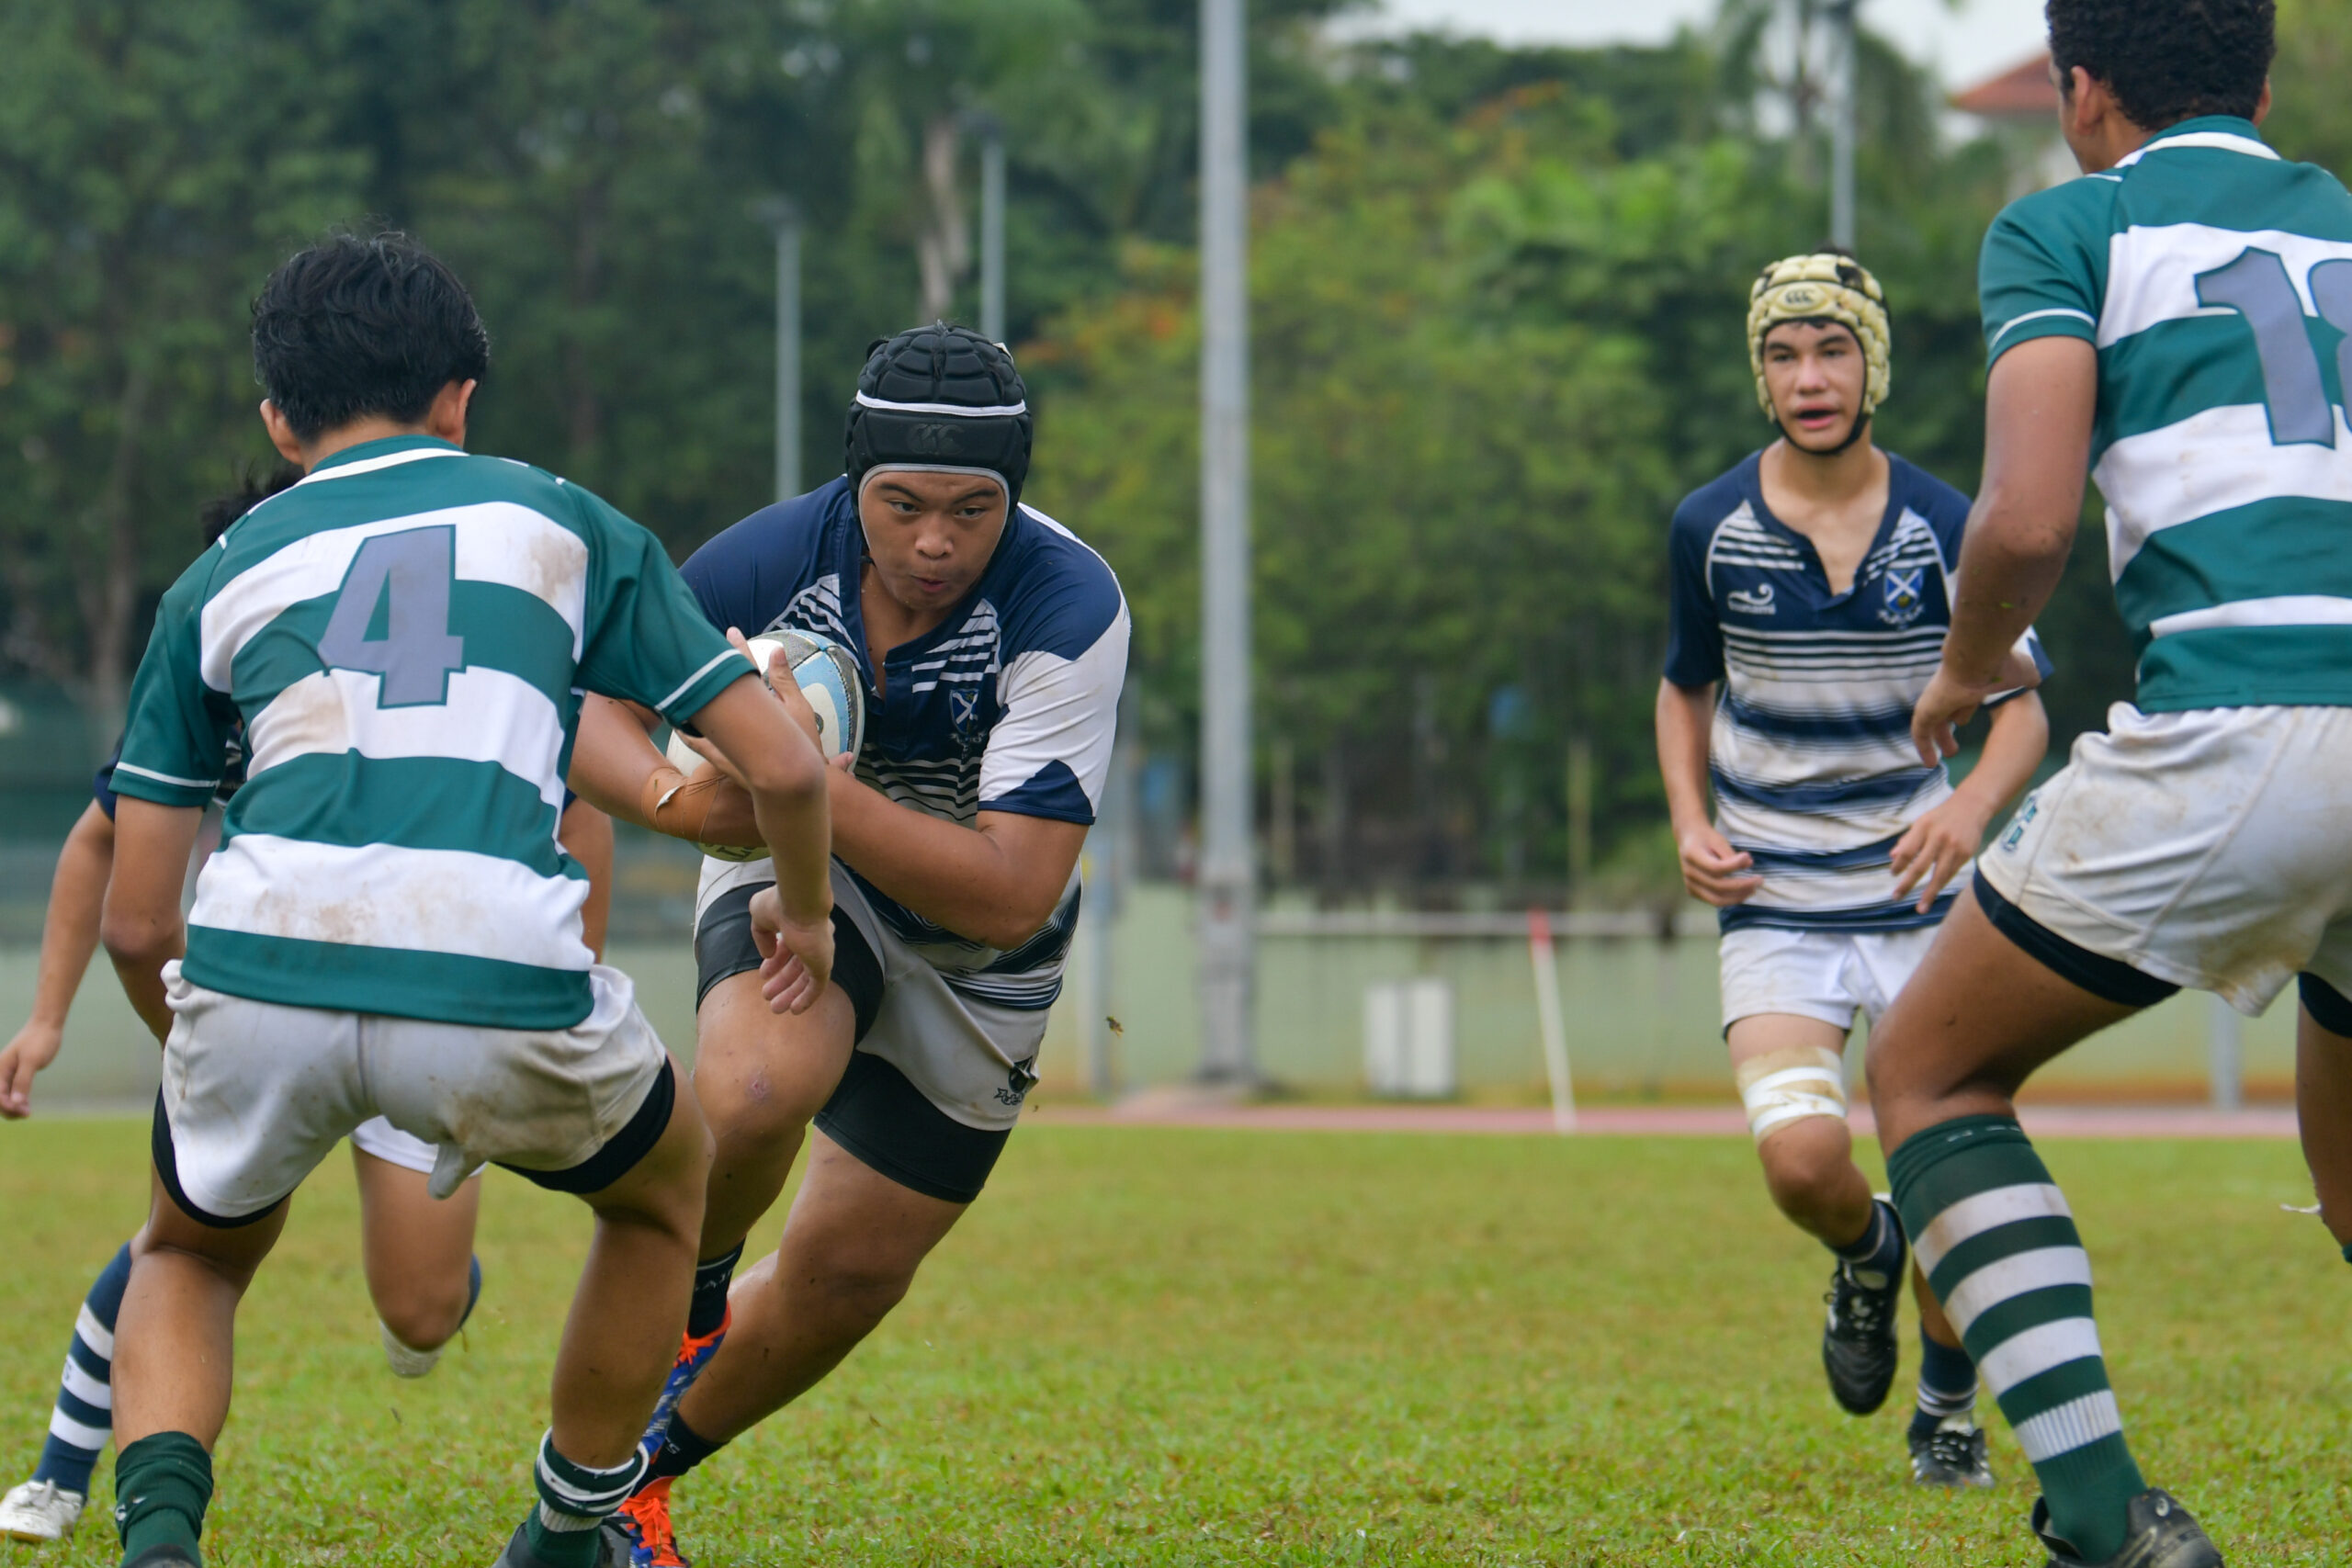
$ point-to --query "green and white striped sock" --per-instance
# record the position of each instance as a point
(2000, 1250)
(573, 1501)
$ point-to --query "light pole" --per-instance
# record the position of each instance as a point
(991, 227)
(782, 215)
(1841, 123)
(1227, 872)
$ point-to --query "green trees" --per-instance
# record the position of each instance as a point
(149, 157)
(1499, 304)
(588, 165)
(1494, 348)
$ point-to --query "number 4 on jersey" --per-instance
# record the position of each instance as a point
(2256, 287)
(392, 616)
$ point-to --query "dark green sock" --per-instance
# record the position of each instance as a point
(561, 1549)
(161, 1486)
(2001, 1253)
(573, 1501)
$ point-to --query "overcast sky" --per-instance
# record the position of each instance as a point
(1965, 40)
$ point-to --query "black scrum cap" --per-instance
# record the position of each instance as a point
(943, 399)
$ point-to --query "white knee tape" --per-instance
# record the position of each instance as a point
(1781, 1087)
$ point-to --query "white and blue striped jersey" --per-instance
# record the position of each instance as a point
(1009, 705)
(1811, 758)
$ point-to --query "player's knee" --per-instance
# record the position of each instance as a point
(764, 1094)
(858, 1293)
(1898, 1077)
(423, 1312)
(1805, 1163)
(753, 1111)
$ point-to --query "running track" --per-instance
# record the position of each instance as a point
(1179, 1108)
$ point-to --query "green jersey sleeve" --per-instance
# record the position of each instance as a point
(2043, 270)
(645, 638)
(175, 739)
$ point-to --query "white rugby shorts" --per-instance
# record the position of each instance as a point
(1832, 975)
(2211, 849)
(255, 1094)
(387, 1143)
(974, 1060)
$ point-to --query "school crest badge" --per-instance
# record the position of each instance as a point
(1905, 596)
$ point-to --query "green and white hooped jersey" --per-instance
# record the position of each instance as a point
(407, 636)
(2215, 279)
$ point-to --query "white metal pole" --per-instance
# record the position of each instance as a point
(1544, 956)
(992, 230)
(1227, 871)
(1090, 964)
(1842, 125)
(782, 216)
(2225, 1061)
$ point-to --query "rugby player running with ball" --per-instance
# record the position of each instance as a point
(1811, 588)
(992, 645)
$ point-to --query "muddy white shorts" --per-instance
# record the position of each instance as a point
(387, 1143)
(255, 1094)
(1835, 977)
(2211, 849)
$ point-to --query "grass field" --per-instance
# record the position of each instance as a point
(1163, 1346)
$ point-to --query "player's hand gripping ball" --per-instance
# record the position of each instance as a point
(828, 678)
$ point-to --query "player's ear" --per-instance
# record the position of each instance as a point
(447, 417)
(281, 435)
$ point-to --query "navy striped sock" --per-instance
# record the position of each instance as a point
(1876, 1255)
(712, 1278)
(1947, 1385)
(681, 1448)
(83, 1421)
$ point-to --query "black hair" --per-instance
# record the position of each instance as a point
(2166, 60)
(356, 325)
(253, 487)
(911, 402)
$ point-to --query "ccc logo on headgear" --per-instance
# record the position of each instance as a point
(1800, 297)
(936, 440)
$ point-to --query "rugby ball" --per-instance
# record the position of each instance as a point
(828, 677)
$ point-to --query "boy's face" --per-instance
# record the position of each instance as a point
(931, 534)
(1817, 377)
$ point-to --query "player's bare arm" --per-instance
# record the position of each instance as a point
(996, 882)
(142, 928)
(617, 767)
(1712, 869)
(779, 765)
(2037, 444)
(69, 936)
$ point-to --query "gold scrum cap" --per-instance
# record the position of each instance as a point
(1822, 288)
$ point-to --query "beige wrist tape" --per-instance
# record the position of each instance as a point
(1781, 1087)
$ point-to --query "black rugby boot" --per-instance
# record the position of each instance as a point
(1858, 1344)
(1952, 1455)
(2160, 1534)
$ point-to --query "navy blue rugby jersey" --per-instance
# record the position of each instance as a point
(1810, 755)
(1008, 704)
